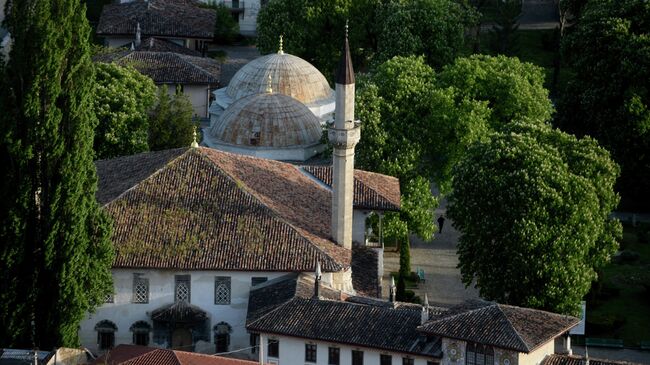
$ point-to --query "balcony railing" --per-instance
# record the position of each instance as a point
(235, 6)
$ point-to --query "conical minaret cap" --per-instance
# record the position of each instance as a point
(345, 73)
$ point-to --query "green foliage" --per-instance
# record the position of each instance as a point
(170, 123)
(513, 90)
(400, 292)
(532, 205)
(608, 97)
(55, 253)
(404, 259)
(123, 97)
(226, 28)
(504, 33)
(379, 31)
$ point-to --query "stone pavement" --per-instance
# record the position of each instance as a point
(438, 259)
(634, 356)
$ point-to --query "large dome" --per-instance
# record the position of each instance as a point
(291, 76)
(270, 120)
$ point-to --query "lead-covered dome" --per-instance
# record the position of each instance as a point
(268, 120)
(291, 76)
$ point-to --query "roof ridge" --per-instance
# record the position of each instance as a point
(182, 57)
(170, 161)
(462, 313)
(513, 328)
(241, 185)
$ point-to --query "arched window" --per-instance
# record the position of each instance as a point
(105, 334)
(222, 332)
(478, 355)
(141, 330)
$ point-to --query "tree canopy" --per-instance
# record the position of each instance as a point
(171, 125)
(608, 96)
(122, 100)
(532, 204)
(55, 251)
(381, 30)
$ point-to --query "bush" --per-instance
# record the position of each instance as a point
(643, 234)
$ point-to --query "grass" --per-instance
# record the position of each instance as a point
(631, 305)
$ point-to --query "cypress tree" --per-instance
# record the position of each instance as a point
(55, 249)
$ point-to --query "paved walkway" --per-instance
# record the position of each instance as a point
(438, 259)
(635, 356)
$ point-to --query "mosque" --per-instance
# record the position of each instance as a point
(275, 107)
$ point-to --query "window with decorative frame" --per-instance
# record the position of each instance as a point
(105, 334)
(222, 290)
(385, 359)
(182, 288)
(476, 354)
(310, 352)
(334, 356)
(140, 289)
(141, 331)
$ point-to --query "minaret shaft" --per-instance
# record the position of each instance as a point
(344, 135)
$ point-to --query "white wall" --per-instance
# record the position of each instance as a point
(198, 95)
(161, 292)
(292, 352)
(536, 357)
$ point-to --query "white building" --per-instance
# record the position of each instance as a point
(195, 229)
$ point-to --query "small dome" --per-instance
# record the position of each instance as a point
(267, 120)
(291, 76)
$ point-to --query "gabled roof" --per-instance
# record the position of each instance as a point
(287, 307)
(141, 355)
(167, 67)
(371, 190)
(158, 18)
(557, 359)
(152, 44)
(204, 209)
(499, 325)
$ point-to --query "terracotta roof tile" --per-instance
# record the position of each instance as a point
(166, 18)
(556, 359)
(167, 67)
(505, 326)
(371, 190)
(141, 355)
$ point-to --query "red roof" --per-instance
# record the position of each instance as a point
(141, 355)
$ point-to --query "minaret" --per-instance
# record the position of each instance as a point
(137, 35)
(344, 135)
(317, 278)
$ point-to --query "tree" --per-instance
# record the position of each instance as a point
(608, 96)
(513, 90)
(170, 124)
(55, 252)
(532, 204)
(380, 30)
(226, 28)
(123, 98)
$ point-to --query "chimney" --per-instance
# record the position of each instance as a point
(425, 309)
(392, 290)
(344, 135)
(317, 277)
(137, 35)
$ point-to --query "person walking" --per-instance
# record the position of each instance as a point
(441, 222)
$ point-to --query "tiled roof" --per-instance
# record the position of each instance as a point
(364, 271)
(504, 326)
(158, 18)
(279, 309)
(153, 44)
(371, 190)
(556, 359)
(167, 67)
(209, 210)
(141, 355)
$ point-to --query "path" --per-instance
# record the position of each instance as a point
(438, 259)
(635, 356)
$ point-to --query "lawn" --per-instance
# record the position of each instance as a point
(621, 309)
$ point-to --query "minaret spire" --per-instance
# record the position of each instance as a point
(344, 135)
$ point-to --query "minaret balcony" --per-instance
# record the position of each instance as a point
(344, 138)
